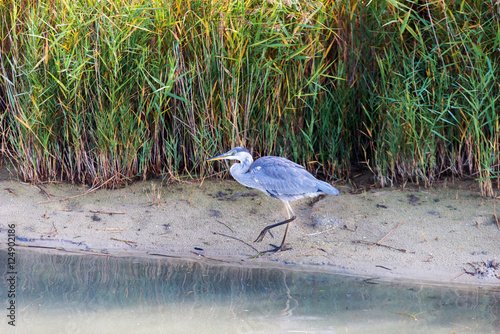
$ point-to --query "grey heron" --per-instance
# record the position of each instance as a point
(277, 177)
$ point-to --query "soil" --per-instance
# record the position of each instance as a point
(447, 233)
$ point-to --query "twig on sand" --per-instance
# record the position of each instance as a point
(52, 231)
(210, 258)
(96, 252)
(43, 247)
(91, 190)
(379, 266)
(379, 244)
(128, 242)
(226, 225)
(425, 239)
(10, 191)
(114, 229)
(454, 278)
(229, 236)
(385, 236)
(108, 212)
(43, 190)
(308, 251)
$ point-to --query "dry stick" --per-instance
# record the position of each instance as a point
(210, 258)
(119, 229)
(43, 190)
(76, 196)
(52, 231)
(229, 236)
(96, 252)
(454, 278)
(10, 191)
(44, 247)
(128, 241)
(108, 212)
(473, 266)
(379, 266)
(425, 239)
(308, 251)
(226, 225)
(378, 244)
(375, 243)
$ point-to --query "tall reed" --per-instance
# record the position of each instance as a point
(100, 92)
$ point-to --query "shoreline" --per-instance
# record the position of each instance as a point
(446, 234)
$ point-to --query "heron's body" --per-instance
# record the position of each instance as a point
(277, 177)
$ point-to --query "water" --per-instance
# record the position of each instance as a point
(97, 294)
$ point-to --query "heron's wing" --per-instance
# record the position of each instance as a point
(282, 177)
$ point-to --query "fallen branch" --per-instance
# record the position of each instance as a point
(308, 251)
(43, 247)
(454, 278)
(379, 266)
(379, 244)
(43, 190)
(229, 236)
(210, 258)
(385, 236)
(10, 191)
(108, 212)
(115, 229)
(91, 190)
(96, 252)
(125, 241)
(226, 225)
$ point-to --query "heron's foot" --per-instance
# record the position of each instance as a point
(275, 249)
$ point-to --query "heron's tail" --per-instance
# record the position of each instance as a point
(327, 188)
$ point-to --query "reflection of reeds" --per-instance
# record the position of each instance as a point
(96, 91)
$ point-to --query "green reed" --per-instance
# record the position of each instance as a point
(105, 91)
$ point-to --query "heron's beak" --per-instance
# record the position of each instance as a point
(218, 157)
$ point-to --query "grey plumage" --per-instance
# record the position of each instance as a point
(277, 177)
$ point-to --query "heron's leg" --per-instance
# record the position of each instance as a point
(289, 210)
(291, 217)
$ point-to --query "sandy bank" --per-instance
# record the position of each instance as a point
(447, 233)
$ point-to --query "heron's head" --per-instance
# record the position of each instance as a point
(237, 153)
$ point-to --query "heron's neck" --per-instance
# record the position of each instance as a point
(239, 170)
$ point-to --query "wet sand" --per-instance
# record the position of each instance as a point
(446, 234)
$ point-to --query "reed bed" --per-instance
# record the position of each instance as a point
(101, 92)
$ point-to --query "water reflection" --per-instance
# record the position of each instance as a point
(83, 294)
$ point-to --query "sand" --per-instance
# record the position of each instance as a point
(447, 233)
